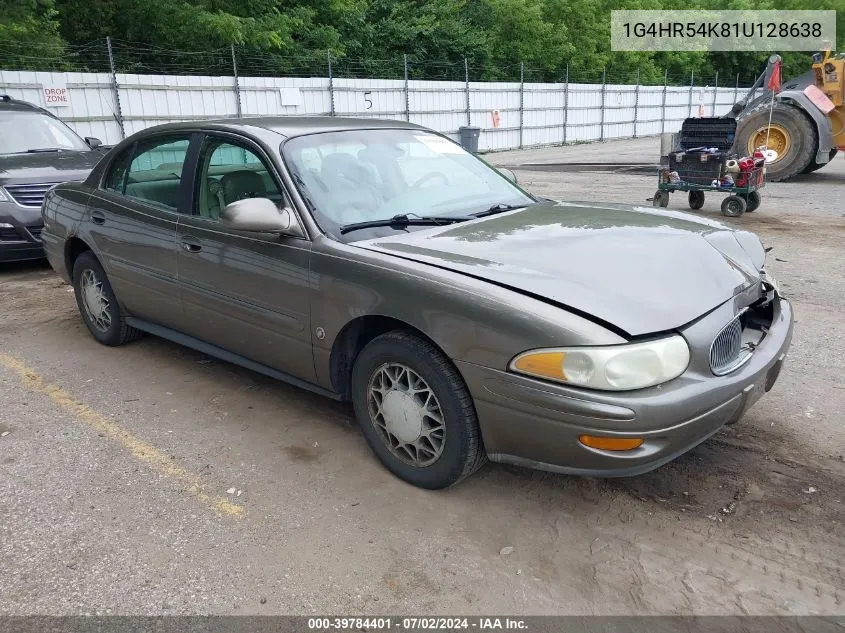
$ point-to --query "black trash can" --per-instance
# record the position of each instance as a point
(469, 138)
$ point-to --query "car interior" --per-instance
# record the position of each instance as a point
(228, 173)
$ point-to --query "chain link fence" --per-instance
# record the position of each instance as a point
(114, 88)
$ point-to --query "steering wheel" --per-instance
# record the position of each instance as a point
(430, 176)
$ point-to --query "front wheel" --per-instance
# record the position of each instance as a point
(661, 199)
(791, 134)
(733, 206)
(97, 303)
(415, 411)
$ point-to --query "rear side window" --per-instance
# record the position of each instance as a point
(115, 180)
(151, 172)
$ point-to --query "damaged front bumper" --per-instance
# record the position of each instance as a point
(535, 423)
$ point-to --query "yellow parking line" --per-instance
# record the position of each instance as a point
(147, 453)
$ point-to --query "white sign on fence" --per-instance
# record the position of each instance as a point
(56, 96)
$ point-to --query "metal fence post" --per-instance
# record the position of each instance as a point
(115, 90)
(466, 89)
(691, 85)
(331, 83)
(715, 91)
(663, 102)
(637, 103)
(736, 89)
(565, 104)
(407, 96)
(521, 101)
(237, 85)
(603, 97)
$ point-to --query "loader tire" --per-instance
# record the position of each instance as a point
(792, 134)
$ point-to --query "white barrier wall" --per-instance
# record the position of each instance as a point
(528, 115)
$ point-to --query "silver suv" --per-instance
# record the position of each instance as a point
(37, 151)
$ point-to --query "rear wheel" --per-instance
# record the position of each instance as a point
(752, 201)
(733, 206)
(415, 411)
(791, 134)
(97, 303)
(696, 199)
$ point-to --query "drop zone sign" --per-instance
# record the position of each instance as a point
(56, 96)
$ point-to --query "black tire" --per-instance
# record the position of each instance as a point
(661, 199)
(462, 449)
(117, 332)
(815, 166)
(802, 136)
(752, 201)
(696, 199)
(733, 206)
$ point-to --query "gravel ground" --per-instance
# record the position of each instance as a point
(151, 479)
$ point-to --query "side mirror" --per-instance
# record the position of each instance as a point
(259, 215)
(507, 173)
(93, 143)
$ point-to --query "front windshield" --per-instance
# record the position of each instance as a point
(22, 131)
(366, 175)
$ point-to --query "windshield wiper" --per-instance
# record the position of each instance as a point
(40, 150)
(500, 208)
(404, 220)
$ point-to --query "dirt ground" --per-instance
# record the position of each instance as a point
(151, 479)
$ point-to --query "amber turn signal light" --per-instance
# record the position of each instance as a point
(611, 443)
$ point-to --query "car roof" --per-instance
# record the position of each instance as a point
(290, 126)
(7, 103)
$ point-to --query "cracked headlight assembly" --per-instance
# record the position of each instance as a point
(609, 368)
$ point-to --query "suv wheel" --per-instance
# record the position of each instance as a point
(415, 411)
(97, 303)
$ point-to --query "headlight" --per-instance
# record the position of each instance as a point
(3, 196)
(611, 368)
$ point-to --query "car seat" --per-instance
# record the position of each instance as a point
(239, 185)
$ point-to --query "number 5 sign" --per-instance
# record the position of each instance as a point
(56, 96)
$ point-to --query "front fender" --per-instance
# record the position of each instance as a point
(801, 101)
(470, 320)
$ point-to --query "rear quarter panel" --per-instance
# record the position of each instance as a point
(64, 209)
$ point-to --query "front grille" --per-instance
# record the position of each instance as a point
(727, 352)
(29, 195)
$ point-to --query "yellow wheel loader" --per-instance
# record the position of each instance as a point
(803, 127)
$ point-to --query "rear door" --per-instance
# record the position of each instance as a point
(133, 220)
(245, 292)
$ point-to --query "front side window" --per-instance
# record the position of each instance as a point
(29, 132)
(230, 172)
(370, 175)
(154, 174)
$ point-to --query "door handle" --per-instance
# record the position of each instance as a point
(97, 217)
(191, 247)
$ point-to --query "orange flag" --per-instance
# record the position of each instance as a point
(774, 79)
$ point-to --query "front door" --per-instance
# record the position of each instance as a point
(134, 215)
(244, 292)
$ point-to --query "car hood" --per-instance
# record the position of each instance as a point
(640, 270)
(47, 166)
